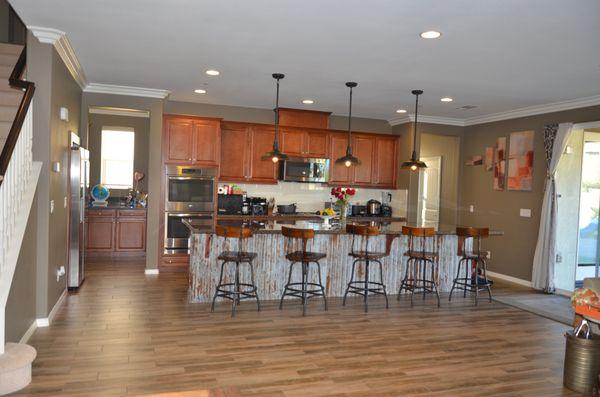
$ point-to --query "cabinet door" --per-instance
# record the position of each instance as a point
(130, 235)
(262, 171)
(317, 144)
(206, 142)
(292, 143)
(363, 147)
(235, 150)
(179, 141)
(386, 162)
(100, 234)
(339, 174)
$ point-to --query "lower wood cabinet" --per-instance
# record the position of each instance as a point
(115, 232)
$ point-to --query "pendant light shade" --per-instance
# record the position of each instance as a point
(348, 159)
(275, 155)
(414, 164)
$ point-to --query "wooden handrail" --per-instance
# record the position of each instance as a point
(28, 87)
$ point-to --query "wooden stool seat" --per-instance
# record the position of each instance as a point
(474, 261)
(233, 256)
(298, 254)
(237, 289)
(361, 235)
(422, 265)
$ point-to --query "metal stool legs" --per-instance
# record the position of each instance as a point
(236, 291)
(366, 286)
(471, 282)
(304, 289)
(415, 279)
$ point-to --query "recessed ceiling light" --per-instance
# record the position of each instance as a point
(446, 99)
(200, 91)
(431, 34)
(308, 101)
(212, 72)
(400, 111)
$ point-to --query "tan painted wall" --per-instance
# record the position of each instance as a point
(155, 107)
(141, 127)
(513, 253)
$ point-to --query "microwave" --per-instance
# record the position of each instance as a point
(298, 169)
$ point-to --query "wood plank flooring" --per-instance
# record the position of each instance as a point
(129, 334)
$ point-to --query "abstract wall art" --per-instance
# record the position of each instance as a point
(489, 158)
(520, 161)
(500, 164)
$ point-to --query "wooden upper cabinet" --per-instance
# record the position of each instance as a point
(262, 171)
(338, 173)
(191, 141)
(386, 161)
(363, 147)
(207, 142)
(293, 142)
(317, 144)
(235, 153)
(179, 139)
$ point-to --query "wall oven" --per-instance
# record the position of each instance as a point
(190, 189)
(177, 234)
(298, 169)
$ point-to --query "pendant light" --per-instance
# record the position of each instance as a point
(414, 163)
(275, 155)
(349, 160)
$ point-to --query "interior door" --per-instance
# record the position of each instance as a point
(429, 192)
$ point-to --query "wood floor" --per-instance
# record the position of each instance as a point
(129, 334)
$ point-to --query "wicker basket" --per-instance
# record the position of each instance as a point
(582, 363)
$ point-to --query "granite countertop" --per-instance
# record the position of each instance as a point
(306, 216)
(115, 207)
(274, 226)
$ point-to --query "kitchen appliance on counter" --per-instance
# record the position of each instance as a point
(258, 205)
(231, 204)
(298, 169)
(286, 209)
(386, 210)
(79, 172)
(386, 204)
(359, 210)
(373, 208)
(177, 234)
(190, 189)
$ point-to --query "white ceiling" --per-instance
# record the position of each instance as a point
(497, 55)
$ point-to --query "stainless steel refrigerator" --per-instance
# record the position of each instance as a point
(79, 172)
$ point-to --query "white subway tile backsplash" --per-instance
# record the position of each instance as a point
(310, 197)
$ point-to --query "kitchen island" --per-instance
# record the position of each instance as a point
(271, 267)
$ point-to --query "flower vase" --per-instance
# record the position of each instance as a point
(343, 212)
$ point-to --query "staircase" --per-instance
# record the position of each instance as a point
(9, 97)
(18, 180)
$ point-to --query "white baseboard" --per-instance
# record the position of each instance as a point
(511, 279)
(29, 332)
(563, 292)
(150, 272)
(45, 322)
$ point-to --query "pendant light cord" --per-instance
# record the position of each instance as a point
(276, 141)
(349, 147)
(414, 153)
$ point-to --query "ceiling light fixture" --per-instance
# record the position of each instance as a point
(348, 159)
(308, 101)
(212, 72)
(400, 111)
(446, 99)
(200, 91)
(414, 163)
(431, 34)
(275, 155)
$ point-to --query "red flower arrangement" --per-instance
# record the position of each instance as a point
(343, 193)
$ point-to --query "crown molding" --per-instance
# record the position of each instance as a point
(119, 111)
(63, 47)
(126, 90)
(410, 118)
(535, 110)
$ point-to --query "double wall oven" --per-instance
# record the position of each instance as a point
(190, 194)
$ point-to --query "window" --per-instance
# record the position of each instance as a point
(117, 157)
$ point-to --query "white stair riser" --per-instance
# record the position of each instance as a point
(4, 129)
(8, 59)
(5, 71)
(7, 113)
(12, 49)
(11, 98)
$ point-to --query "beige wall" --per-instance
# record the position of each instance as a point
(257, 115)
(141, 127)
(21, 305)
(513, 253)
(155, 107)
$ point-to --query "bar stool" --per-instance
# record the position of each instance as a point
(361, 236)
(297, 242)
(417, 277)
(474, 261)
(236, 290)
